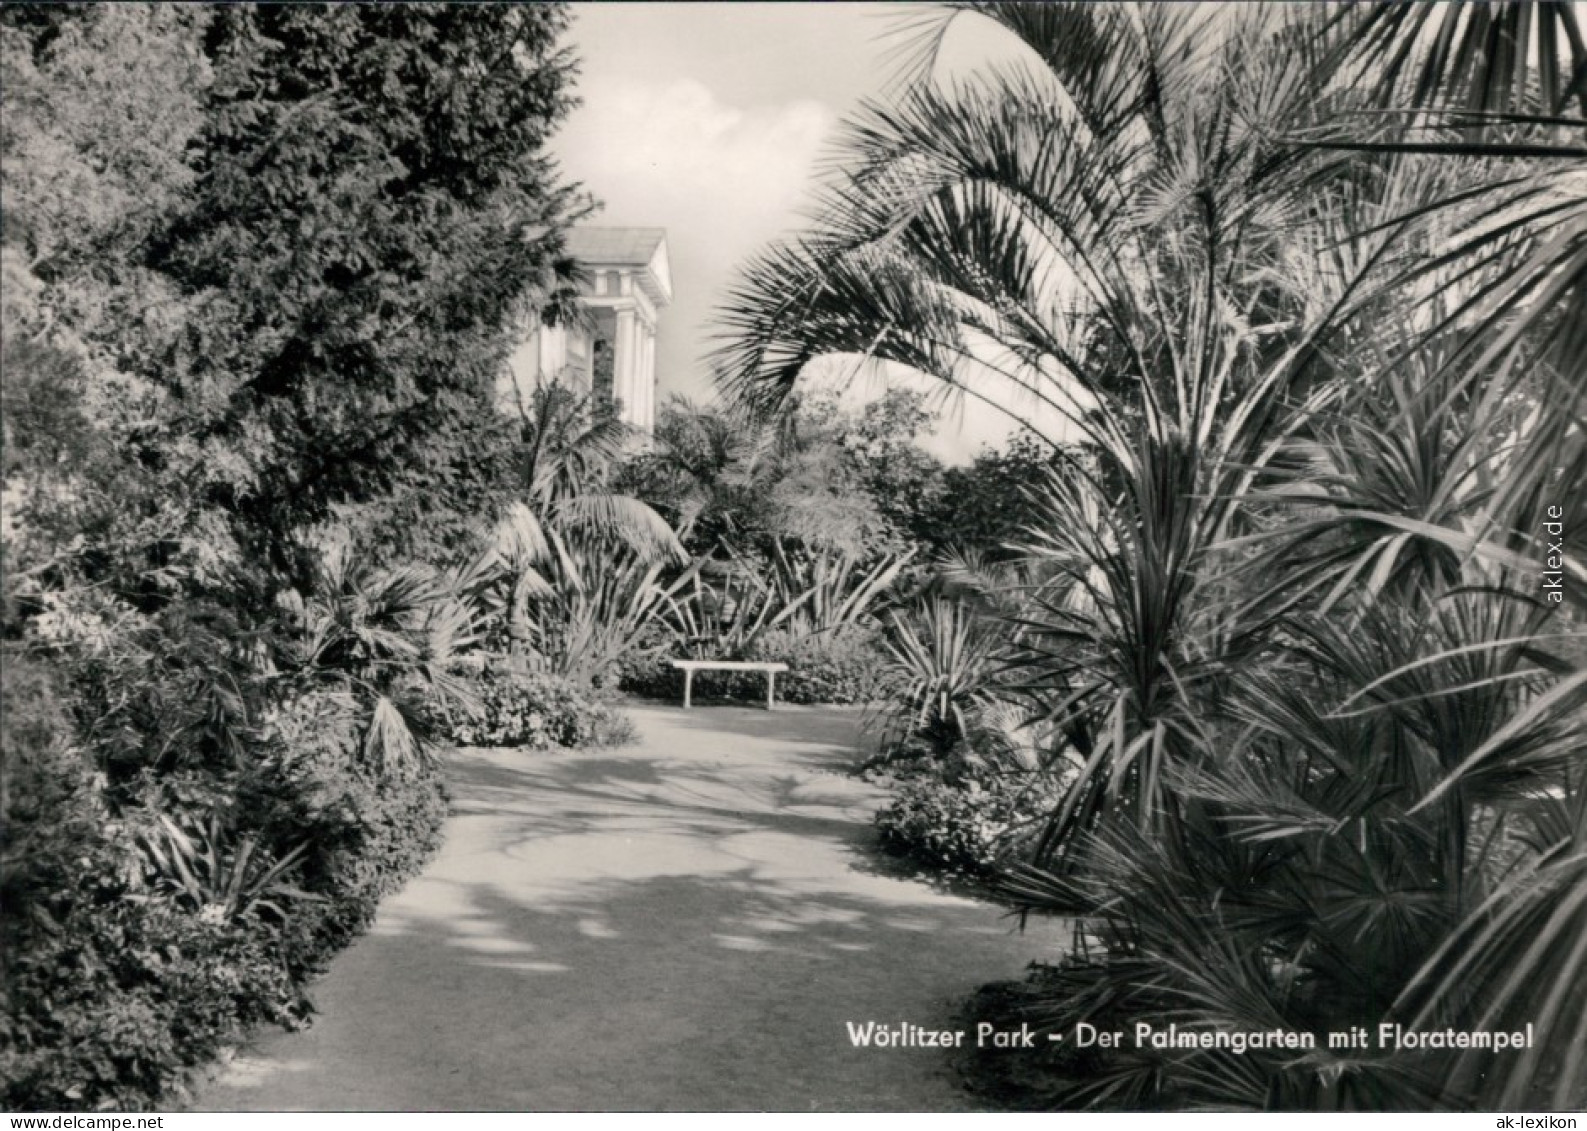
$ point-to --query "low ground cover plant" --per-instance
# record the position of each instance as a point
(537, 710)
(972, 825)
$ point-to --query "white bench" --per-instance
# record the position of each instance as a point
(689, 667)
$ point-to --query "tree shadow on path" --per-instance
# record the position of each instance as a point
(686, 924)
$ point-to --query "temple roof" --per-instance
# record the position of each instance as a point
(642, 250)
(631, 247)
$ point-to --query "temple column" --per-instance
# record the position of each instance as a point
(636, 407)
(625, 384)
(648, 419)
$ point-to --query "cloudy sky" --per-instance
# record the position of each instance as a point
(707, 120)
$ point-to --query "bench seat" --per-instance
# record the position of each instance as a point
(770, 667)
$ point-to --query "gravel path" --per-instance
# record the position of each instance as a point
(684, 924)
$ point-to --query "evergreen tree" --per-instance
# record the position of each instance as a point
(375, 211)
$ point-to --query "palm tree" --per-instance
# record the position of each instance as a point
(1294, 551)
(384, 639)
(789, 539)
(1098, 236)
(1473, 83)
(736, 481)
(572, 568)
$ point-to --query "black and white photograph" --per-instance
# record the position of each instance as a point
(936, 557)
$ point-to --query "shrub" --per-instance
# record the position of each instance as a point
(117, 1003)
(50, 801)
(840, 667)
(370, 834)
(366, 831)
(971, 825)
(123, 972)
(650, 675)
(537, 710)
(942, 655)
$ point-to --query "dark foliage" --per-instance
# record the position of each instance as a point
(122, 975)
(1305, 285)
(375, 208)
(261, 264)
(991, 505)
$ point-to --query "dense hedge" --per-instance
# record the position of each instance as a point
(125, 973)
(112, 1002)
(533, 709)
(841, 667)
(120, 982)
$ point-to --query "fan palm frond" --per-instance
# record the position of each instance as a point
(633, 523)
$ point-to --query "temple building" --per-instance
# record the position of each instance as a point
(614, 355)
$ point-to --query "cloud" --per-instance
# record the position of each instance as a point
(675, 153)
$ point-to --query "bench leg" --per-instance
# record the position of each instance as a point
(688, 680)
(771, 683)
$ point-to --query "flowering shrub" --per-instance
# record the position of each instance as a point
(970, 826)
(842, 666)
(539, 711)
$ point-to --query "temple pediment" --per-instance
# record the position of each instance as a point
(636, 254)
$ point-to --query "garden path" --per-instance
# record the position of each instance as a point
(683, 924)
